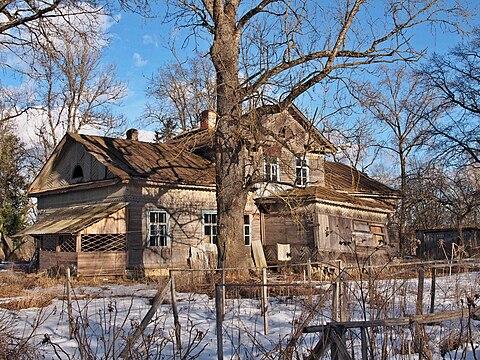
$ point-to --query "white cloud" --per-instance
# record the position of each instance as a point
(138, 61)
(149, 40)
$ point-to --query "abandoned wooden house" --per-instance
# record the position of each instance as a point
(108, 206)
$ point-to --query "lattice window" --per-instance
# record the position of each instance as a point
(48, 242)
(68, 243)
(104, 242)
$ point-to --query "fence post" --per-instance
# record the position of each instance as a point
(178, 328)
(363, 335)
(223, 294)
(335, 300)
(69, 305)
(309, 271)
(432, 290)
(219, 319)
(420, 287)
(265, 301)
(419, 329)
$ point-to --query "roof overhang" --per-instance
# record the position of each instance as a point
(71, 220)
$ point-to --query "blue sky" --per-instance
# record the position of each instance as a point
(138, 48)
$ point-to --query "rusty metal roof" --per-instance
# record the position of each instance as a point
(347, 179)
(72, 219)
(166, 162)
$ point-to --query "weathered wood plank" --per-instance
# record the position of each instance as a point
(157, 301)
(415, 319)
(102, 263)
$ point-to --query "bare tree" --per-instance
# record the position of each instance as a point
(456, 76)
(21, 22)
(283, 49)
(406, 112)
(179, 93)
(74, 90)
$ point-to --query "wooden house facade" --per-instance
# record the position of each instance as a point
(107, 206)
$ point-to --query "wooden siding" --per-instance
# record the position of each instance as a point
(184, 207)
(101, 263)
(438, 244)
(87, 264)
(284, 229)
(115, 223)
(58, 170)
(112, 193)
(51, 259)
(320, 234)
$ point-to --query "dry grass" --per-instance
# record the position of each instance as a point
(36, 301)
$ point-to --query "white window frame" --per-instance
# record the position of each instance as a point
(247, 229)
(161, 240)
(213, 226)
(271, 169)
(302, 168)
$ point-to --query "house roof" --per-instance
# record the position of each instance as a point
(347, 179)
(323, 194)
(162, 162)
(195, 139)
(128, 159)
(205, 138)
(72, 219)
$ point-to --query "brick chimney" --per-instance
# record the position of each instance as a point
(208, 120)
(132, 134)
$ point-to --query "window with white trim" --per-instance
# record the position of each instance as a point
(157, 228)
(271, 169)
(247, 229)
(210, 230)
(302, 171)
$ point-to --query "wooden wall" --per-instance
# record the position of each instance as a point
(50, 259)
(115, 223)
(319, 232)
(184, 207)
(59, 170)
(87, 264)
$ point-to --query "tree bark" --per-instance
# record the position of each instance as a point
(230, 162)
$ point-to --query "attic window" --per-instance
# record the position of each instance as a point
(286, 133)
(77, 172)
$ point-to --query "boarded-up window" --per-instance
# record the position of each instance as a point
(361, 226)
(378, 234)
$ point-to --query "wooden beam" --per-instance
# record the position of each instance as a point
(415, 319)
(157, 302)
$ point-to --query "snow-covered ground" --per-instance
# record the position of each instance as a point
(106, 315)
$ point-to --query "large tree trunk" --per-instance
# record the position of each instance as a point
(230, 171)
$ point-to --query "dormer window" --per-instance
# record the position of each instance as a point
(271, 169)
(77, 172)
(302, 172)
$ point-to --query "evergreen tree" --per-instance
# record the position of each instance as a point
(13, 197)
